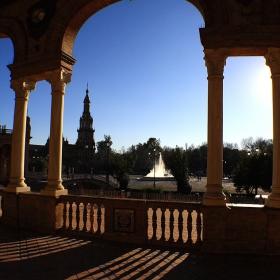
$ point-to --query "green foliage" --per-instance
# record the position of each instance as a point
(151, 189)
(121, 166)
(252, 172)
(176, 161)
(226, 192)
(40, 164)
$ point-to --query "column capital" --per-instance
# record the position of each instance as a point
(58, 79)
(273, 60)
(23, 87)
(215, 60)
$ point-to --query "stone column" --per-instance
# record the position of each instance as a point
(22, 88)
(215, 62)
(58, 80)
(273, 61)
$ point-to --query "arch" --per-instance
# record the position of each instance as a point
(11, 28)
(68, 24)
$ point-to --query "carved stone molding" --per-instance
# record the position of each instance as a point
(215, 60)
(273, 60)
(58, 79)
(23, 87)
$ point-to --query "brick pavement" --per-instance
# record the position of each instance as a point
(29, 255)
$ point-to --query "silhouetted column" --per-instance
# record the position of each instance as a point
(215, 61)
(273, 61)
(22, 88)
(58, 80)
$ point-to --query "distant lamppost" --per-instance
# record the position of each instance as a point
(154, 164)
(107, 173)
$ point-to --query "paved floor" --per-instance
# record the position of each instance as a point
(28, 255)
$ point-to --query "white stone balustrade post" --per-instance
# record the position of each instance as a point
(58, 80)
(273, 61)
(215, 61)
(22, 88)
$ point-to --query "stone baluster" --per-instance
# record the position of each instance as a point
(102, 218)
(171, 224)
(189, 222)
(80, 217)
(273, 61)
(154, 224)
(58, 80)
(73, 216)
(66, 214)
(95, 218)
(22, 88)
(215, 61)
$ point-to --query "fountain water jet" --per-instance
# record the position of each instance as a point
(158, 172)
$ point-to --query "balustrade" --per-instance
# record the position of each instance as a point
(82, 215)
(167, 223)
(174, 224)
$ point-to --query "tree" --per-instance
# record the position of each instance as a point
(254, 170)
(121, 166)
(103, 153)
(143, 164)
(176, 161)
(40, 165)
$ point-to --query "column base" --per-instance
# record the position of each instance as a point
(16, 189)
(214, 196)
(54, 192)
(273, 201)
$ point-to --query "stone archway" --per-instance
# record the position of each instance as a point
(71, 18)
(10, 28)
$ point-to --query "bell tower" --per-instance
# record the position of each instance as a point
(85, 143)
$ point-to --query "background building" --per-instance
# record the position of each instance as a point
(76, 157)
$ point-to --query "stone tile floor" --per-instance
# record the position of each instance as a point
(28, 255)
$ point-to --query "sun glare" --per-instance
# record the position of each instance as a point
(263, 85)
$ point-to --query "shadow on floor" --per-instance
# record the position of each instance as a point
(28, 255)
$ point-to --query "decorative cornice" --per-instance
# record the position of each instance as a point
(67, 58)
(273, 60)
(58, 79)
(215, 60)
(23, 87)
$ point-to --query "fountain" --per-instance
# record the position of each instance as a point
(158, 172)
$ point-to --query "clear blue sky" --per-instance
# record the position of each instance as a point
(143, 61)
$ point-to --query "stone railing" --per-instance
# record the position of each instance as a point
(132, 220)
(138, 195)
